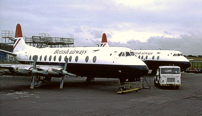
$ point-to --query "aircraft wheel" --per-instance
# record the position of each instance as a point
(120, 89)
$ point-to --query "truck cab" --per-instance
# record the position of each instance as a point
(168, 76)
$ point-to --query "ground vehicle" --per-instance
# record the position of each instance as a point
(168, 76)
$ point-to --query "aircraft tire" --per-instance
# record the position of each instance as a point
(177, 87)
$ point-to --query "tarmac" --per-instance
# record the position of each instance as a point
(98, 98)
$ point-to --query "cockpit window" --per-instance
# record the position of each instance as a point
(177, 54)
(128, 54)
(132, 54)
(125, 54)
(120, 54)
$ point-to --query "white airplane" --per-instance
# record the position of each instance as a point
(89, 62)
(156, 58)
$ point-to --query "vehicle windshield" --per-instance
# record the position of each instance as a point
(170, 71)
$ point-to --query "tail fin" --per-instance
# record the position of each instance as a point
(19, 43)
(104, 41)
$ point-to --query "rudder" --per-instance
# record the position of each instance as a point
(19, 43)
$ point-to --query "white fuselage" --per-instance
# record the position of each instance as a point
(156, 58)
(87, 61)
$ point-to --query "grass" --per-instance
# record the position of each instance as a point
(195, 64)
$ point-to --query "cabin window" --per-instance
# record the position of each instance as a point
(146, 57)
(40, 57)
(50, 58)
(153, 57)
(35, 56)
(139, 57)
(70, 58)
(60, 58)
(142, 57)
(87, 58)
(94, 59)
(65, 58)
(30, 57)
(128, 54)
(120, 54)
(76, 58)
(54, 58)
(45, 57)
(158, 58)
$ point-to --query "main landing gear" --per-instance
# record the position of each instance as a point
(126, 86)
(89, 79)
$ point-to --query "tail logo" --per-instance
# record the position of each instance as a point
(16, 43)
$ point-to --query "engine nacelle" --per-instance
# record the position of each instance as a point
(37, 72)
(23, 72)
(54, 74)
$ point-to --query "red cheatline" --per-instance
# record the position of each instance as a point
(16, 44)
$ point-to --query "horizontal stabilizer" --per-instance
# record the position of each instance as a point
(7, 52)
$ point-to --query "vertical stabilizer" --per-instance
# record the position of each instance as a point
(104, 41)
(19, 43)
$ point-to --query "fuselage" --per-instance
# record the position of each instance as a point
(88, 61)
(156, 58)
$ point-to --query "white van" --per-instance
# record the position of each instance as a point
(168, 76)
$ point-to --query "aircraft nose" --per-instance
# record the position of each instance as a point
(186, 65)
(143, 70)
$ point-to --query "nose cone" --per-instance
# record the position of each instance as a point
(185, 65)
(143, 70)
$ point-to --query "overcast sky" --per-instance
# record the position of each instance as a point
(145, 24)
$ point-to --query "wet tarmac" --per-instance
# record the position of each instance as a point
(98, 99)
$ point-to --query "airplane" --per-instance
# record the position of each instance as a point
(89, 62)
(155, 58)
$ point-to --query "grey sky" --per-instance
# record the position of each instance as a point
(148, 24)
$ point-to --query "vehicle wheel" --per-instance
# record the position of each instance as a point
(158, 84)
(177, 87)
(155, 82)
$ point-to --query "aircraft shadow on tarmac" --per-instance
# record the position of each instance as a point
(17, 83)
